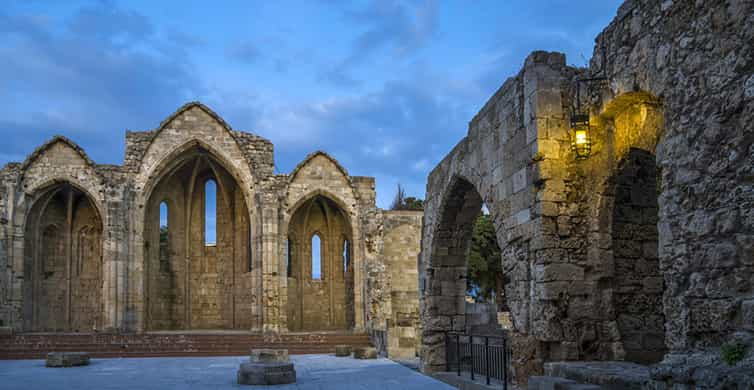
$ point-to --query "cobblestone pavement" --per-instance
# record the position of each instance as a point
(313, 372)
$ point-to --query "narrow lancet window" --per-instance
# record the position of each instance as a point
(164, 237)
(346, 255)
(316, 257)
(210, 213)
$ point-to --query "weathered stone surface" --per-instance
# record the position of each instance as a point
(643, 248)
(270, 373)
(139, 259)
(365, 353)
(556, 383)
(269, 356)
(343, 350)
(67, 359)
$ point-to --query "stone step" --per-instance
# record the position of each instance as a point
(556, 383)
(609, 375)
(35, 346)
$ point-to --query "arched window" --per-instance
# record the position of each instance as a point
(288, 257)
(346, 255)
(164, 237)
(210, 212)
(316, 257)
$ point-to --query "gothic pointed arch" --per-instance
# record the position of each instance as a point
(63, 269)
(182, 291)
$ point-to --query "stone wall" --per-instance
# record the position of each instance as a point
(600, 245)
(496, 164)
(125, 277)
(401, 241)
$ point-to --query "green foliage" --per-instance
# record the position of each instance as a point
(732, 353)
(402, 202)
(485, 274)
(163, 233)
(412, 203)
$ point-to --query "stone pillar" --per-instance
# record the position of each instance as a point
(115, 249)
(273, 314)
(358, 277)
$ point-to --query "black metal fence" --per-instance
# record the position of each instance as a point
(480, 356)
(379, 339)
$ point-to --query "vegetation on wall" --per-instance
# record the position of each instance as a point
(732, 353)
(403, 202)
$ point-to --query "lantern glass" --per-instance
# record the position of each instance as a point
(581, 143)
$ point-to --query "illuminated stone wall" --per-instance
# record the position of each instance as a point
(641, 252)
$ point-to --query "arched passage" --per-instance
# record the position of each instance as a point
(636, 285)
(320, 288)
(199, 276)
(446, 283)
(63, 262)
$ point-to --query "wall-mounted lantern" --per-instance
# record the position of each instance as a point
(581, 140)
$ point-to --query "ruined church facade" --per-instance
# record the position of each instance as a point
(87, 247)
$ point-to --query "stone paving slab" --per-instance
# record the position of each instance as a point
(314, 372)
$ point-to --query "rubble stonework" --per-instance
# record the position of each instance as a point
(600, 265)
(82, 247)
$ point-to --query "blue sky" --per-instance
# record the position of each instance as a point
(386, 87)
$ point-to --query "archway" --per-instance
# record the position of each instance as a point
(446, 285)
(632, 187)
(319, 267)
(486, 306)
(198, 251)
(63, 262)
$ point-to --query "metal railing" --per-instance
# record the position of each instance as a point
(379, 339)
(479, 355)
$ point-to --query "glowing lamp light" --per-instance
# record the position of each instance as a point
(581, 142)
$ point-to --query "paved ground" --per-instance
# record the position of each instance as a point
(313, 372)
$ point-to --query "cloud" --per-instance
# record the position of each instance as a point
(184, 39)
(244, 52)
(106, 21)
(400, 27)
(395, 133)
(88, 76)
(403, 26)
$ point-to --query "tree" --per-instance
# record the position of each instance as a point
(402, 202)
(484, 273)
(163, 233)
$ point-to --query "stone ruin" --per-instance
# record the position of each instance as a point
(87, 247)
(641, 253)
(267, 367)
(67, 359)
(644, 251)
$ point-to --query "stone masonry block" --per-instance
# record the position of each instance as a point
(67, 359)
(558, 271)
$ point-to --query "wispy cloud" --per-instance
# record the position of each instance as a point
(244, 51)
(399, 27)
(98, 70)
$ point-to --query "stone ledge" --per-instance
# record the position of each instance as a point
(266, 373)
(266, 367)
(554, 383)
(342, 350)
(67, 359)
(365, 353)
(610, 375)
(265, 355)
(704, 371)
